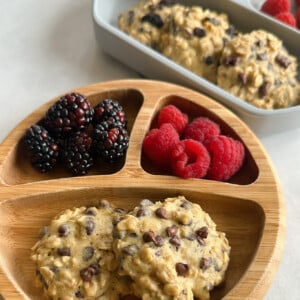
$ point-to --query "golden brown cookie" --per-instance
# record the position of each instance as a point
(171, 250)
(74, 258)
(258, 69)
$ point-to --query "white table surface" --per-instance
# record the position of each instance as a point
(48, 48)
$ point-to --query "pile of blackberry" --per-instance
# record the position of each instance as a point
(75, 134)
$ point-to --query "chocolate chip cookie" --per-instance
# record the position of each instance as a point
(258, 69)
(74, 257)
(171, 250)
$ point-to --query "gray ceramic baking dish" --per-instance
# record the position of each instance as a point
(153, 65)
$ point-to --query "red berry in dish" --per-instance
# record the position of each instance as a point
(190, 159)
(171, 114)
(200, 129)
(110, 141)
(76, 153)
(158, 144)
(227, 156)
(42, 148)
(71, 113)
(274, 7)
(287, 18)
(110, 111)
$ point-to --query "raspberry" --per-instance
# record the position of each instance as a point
(42, 148)
(274, 7)
(72, 112)
(76, 153)
(227, 156)
(297, 2)
(200, 129)
(171, 114)
(287, 18)
(111, 111)
(298, 17)
(110, 141)
(158, 144)
(190, 159)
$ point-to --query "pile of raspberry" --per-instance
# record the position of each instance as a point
(75, 135)
(192, 149)
(282, 11)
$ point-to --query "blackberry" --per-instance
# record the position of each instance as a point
(76, 153)
(110, 141)
(42, 148)
(110, 111)
(71, 113)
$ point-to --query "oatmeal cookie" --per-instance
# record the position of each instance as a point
(258, 69)
(171, 250)
(195, 39)
(74, 257)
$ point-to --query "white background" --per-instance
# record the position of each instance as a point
(48, 48)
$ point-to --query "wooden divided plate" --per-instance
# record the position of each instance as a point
(249, 208)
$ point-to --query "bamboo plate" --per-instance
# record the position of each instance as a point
(249, 209)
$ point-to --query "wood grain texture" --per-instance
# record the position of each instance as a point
(250, 208)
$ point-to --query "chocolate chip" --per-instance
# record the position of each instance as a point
(181, 269)
(153, 19)
(63, 230)
(96, 268)
(87, 274)
(146, 202)
(205, 263)
(282, 60)
(87, 253)
(199, 32)
(161, 213)
(202, 232)
(242, 78)
(142, 212)
(89, 226)
(78, 294)
(63, 251)
(90, 211)
(186, 204)
(148, 236)
(208, 60)
(158, 241)
(175, 240)
(231, 60)
(263, 89)
(130, 249)
(259, 43)
(171, 230)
